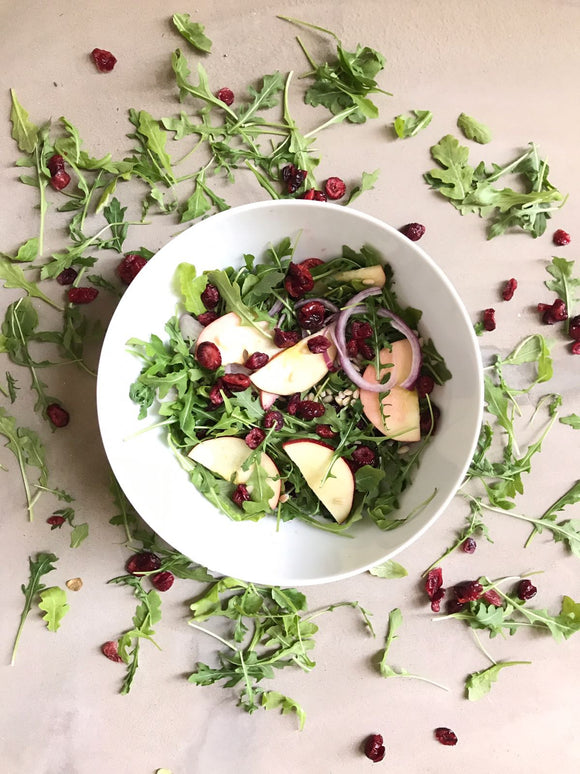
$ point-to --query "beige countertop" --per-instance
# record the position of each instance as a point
(512, 65)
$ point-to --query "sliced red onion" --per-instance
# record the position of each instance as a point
(190, 327)
(417, 356)
(276, 306)
(237, 368)
(325, 303)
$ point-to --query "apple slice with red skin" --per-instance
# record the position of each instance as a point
(313, 458)
(236, 342)
(225, 457)
(295, 369)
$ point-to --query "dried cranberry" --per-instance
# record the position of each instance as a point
(469, 545)
(60, 180)
(110, 649)
(445, 736)
(427, 423)
(363, 455)
(55, 164)
(576, 348)
(491, 597)
(255, 437)
(67, 276)
(236, 382)
(208, 356)
(489, 319)
(293, 177)
(215, 396)
(226, 96)
(58, 416)
(366, 351)
(574, 328)
(324, 431)
(273, 419)
(55, 521)
(526, 589)
(144, 561)
(104, 60)
(292, 404)
(454, 606)
(285, 339)
(211, 296)
(468, 591)
(361, 330)
(163, 581)
(352, 346)
(561, 237)
(256, 360)
(553, 313)
(413, 231)
(82, 295)
(313, 194)
(309, 409)
(374, 748)
(311, 316)
(424, 385)
(318, 344)
(206, 318)
(311, 263)
(436, 600)
(130, 267)
(335, 188)
(509, 289)
(433, 581)
(240, 495)
(298, 281)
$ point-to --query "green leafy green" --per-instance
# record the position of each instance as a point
(25, 445)
(573, 420)
(368, 180)
(115, 216)
(23, 130)
(53, 603)
(191, 287)
(474, 130)
(478, 684)
(564, 284)
(43, 564)
(411, 124)
(389, 569)
(193, 32)
(26, 253)
(13, 277)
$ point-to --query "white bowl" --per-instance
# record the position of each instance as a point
(151, 476)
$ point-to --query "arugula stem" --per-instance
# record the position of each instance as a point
(306, 54)
(264, 182)
(482, 649)
(424, 680)
(214, 635)
(510, 167)
(538, 522)
(292, 20)
(42, 206)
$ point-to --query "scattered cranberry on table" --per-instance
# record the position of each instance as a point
(334, 188)
(58, 416)
(491, 597)
(561, 238)
(413, 231)
(60, 180)
(314, 195)
(509, 289)
(104, 60)
(526, 589)
(226, 96)
(55, 521)
(82, 295)
(142, 562)
(469, 545)
(445, 736)
(553, 313)
(293, 177)
(489, 319)
(374, 748)
(163, 581)
(67, 276)
(129, 267)
(110, 649)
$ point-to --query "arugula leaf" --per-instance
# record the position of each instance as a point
(474, 130)
(23, 130)
(191, 287)
(275, 700)
(410, 125)
(53, 602)
(368, 180)
(478, 684)
(572, 419)
(202, 91)
(26, 253)
(115, 216)
(42, 565)
(564, 284)
(193, 32)
(455, 178)
(79, 533)
(389, 569)
(13, 277)
(197, 204)
(155, 140)
(231, 295)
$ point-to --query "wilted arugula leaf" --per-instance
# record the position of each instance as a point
(42, 565)
(389, 569)
(368, 180)
(53, 602)
(23, 130)
(411, 124)
(478, 684)
(474, 130)
(193, 32)
(572, 419)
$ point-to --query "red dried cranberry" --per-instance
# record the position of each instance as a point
(60, 180)
(553, 313)
(67, 276)
(561, 237)
(361, 330)
(82, 295)
(273, 419)
(311, 263)
(256, 360)
(144, 561)
(468, 591)
(424, 385)
(208, 356)
(509, 289)
(365, 350)
(298, 281)
(130, 267)
(240, 495)
(226, 96)
(433, 581)
(104, 60)
(285, 339)
(55, 164)
(236, 382)
(352, 348)
(293, 177)
(436, 600)
(324, 431)
(445, 736)
(211, 296)
(255, 437)
(163, 581)
(335, 188)
(491, 597)
(311, 315)
(318, 344)
(489, 319)
(576, 348)
(309, 409)
(313, 194)
(364, 455)
(374, 748)
(413, 231)
(58, 416)
(454, 606)
(55, 521)
(469, 545)
(526, 589)
(215, 394)
(574, 328)
(206, 318)
(110, 649)
(427, 423)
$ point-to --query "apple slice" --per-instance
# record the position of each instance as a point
(236, 342)
(400, 406)
(294, 369)
(267, 399)
(369, 276)
(312, 459)
(225, 457)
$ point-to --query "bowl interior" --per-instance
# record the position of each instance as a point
(159, 488)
